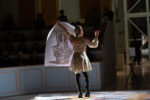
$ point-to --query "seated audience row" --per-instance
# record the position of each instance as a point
(18, 37)
(20, 60)
(9, 22)
(26, 47)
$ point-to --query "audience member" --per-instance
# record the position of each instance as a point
(3, 46)
(10, 37)
(34, 58)
(0, 59)
(108, 16)
(9, 23)
(37, 47)
(92, 19)
(62, 17)
(20, 60)
(22, 47)
(38, 36)
(5, 61)
(137, 45)
(78, 23)
(73, 23)
(20, 38)
(39, 23)
(10, 47)
(109, 40)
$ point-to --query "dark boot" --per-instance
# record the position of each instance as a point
(87, 94)
(80, 95)
(78, 85)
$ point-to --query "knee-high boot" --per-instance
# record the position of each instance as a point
(78, 85)
(87, 84)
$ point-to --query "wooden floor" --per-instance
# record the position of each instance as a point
(115, 91)
(113, 95)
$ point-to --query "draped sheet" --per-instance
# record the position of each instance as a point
(59, 50)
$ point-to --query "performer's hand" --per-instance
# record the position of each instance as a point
(97, 33)
(58, 22)
(60, 25)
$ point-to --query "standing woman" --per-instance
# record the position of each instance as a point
(80, 62)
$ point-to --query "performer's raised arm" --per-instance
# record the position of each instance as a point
(94, 43)
(64, 28)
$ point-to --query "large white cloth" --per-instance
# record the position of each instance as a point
(59, 50)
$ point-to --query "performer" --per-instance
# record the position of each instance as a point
(80, 62)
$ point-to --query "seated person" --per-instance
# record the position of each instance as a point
(10, 37)
(5, 61)
(37, 47)
(9, 23)
(3, 46)
(10, 47)
(20, 38)
(20, 60)
(23, 48)
(38, 36)
(34, 58)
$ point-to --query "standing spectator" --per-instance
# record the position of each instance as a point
(93, 19)
(109, 45)
(137, 36)
(138, 55)
(39, 23)
(9, 23)
(62, 17)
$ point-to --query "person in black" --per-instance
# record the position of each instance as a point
(22, 47)
(5, 61)
(20, 60)
(137, 42)
(9, 23)
(138, 55)
(62, 17)
(34, 58)
(93, 19)
(39, 23)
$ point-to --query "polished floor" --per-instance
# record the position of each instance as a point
(141, 80)
(107, 95)
(119, 90)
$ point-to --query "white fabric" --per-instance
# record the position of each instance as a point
(59, 49)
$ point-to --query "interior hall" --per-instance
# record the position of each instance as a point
(74, 49)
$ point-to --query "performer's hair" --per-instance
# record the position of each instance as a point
(78, 28)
